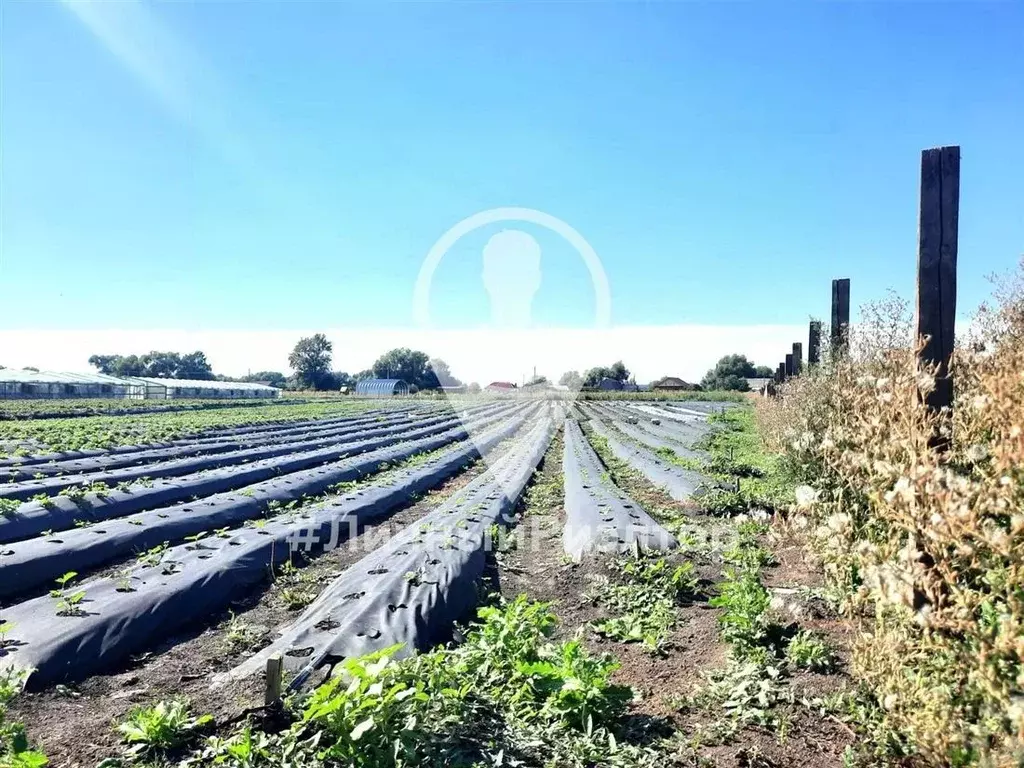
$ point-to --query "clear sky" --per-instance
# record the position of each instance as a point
(257, 165)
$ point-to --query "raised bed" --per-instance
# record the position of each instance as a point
(125, 614)
(93, 470)
(645, 434)
(681, 484)
(410, 591)
(599, 516)
(208, 436)
(32, 518)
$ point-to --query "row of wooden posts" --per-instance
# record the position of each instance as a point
(936, 281)
(840, 328)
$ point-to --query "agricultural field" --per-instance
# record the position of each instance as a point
(100, 432)
(511, 581)
(519, 583)
(69, 408)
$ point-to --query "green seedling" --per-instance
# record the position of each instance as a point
(162, 727)
(67, 603)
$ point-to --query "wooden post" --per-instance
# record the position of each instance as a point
(840, 315)
(275, 673)
(814, 343)
(789, 365)
(780, 374)
(798, 358)
(936, 266)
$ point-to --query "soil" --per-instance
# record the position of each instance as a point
(75, 726)
(537, 568)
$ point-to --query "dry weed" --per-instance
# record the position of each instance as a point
(927, 547)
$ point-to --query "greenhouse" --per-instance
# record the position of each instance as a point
(30, 385)
(206, 389)
(39, 385)
(381, 387)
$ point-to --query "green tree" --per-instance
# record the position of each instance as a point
(443, 373)
(161, 365)
(473, 388)
(193, 366)
(341, 379)
(731, 373)
(311, 361)
(616, 371)
(415, 368)
(571, 379)
(273, 378)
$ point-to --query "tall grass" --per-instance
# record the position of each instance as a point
(925, 547)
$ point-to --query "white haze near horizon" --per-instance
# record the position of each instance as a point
(482, 355)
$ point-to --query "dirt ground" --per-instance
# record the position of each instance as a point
(536, 567)
(75, 726)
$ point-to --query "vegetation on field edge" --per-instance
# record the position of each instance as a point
(923, 549)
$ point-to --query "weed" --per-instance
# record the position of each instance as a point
(644, 604)
(165, 726)
(8, 507)
(504, 691)
(14, 747)
(240, 636)
(743, 622)
(926, 542)
(806, 651)
(297, 597)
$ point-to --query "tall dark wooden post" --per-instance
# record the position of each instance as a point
(814, 343)
(840, 315)
(798, 358)
(936, 266)
(780, 374)
(789, 366)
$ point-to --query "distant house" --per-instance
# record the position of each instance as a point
(671, 384)
(501, 386)
(381, 387)
(756, 385)
(611, 385)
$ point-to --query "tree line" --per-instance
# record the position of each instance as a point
(311, 363)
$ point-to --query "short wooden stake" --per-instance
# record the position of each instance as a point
(789, 365)
(780, 374)
(936, 267)
(275, 675)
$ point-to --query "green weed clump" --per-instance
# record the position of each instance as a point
(165, 726)
(644, 604)
(505, 696)
(925, 545)
(14, 747)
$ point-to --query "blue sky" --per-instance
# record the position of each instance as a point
(227, 165)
